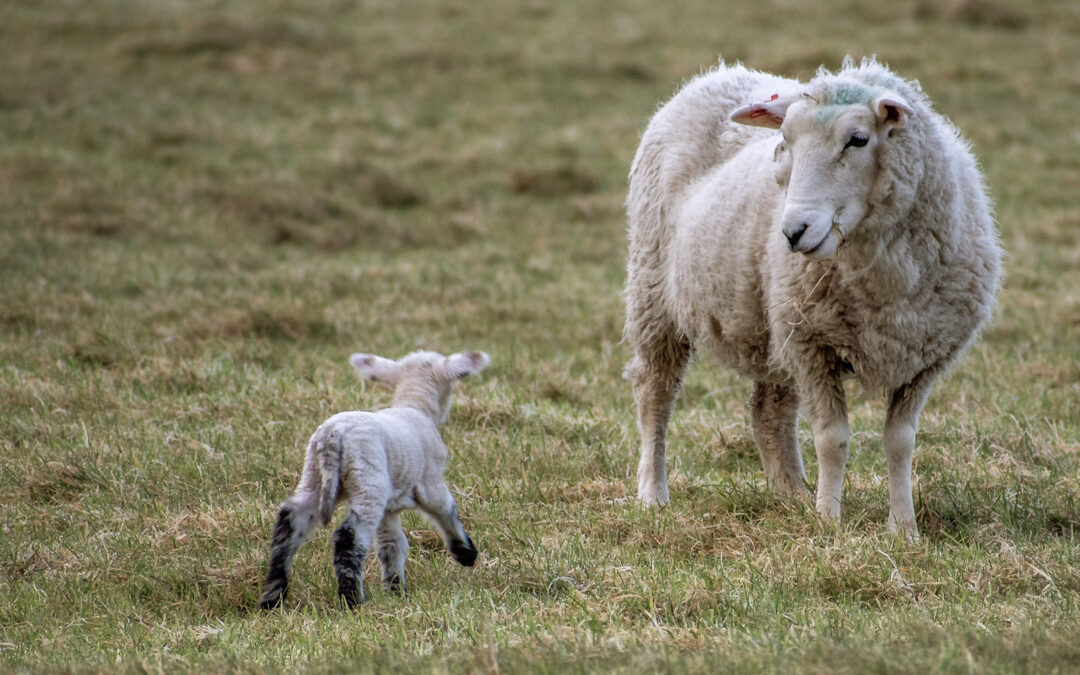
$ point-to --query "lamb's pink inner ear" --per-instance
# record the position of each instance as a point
(375, 368)
(463, 364)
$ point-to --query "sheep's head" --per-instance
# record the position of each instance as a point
(422, 377)
(828, 158)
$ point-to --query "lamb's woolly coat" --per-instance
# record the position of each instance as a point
(386, 459)
(380, 463)
(906, 291)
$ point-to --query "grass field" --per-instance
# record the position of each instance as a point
(206, 206)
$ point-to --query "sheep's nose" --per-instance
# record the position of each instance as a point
(794, 233)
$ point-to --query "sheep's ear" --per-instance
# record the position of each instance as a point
(769, 114)
(376, 368)
(892, 111)
(464, 364)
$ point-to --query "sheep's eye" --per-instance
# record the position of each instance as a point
(857, 141)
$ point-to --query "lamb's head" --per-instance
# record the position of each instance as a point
(834, 135)
(423, 379)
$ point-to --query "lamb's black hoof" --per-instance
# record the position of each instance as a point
(272, 599)
(395, 584)
(350, 593)
(464, 552)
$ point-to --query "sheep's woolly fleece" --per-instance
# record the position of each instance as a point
(908, 288)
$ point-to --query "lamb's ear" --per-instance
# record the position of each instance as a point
(376, 368)
(464, 364)
(769, 114)
(892, 110)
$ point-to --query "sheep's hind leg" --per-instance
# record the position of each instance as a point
(352, 541)
(295, 521)
(392, 548)
(657, 375)
(773, 415)
(438, 504)
(901, 425)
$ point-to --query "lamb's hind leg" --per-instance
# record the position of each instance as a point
(352, 541)
(392, 548)
(656, 372)
(295, 522)
(773, 416)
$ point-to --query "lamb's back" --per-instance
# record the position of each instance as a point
(399, 444)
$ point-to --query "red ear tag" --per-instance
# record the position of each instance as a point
(774, 97)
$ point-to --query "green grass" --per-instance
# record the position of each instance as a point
(206, 206)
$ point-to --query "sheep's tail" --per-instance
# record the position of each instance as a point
(330, 469)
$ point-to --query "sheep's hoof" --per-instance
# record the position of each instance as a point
(652, 487)
(792, 488)
(828, 509)
(652, 497)
(908, 530)
(464, 552)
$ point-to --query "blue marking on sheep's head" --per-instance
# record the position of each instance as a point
(849, 94)
(844, 95)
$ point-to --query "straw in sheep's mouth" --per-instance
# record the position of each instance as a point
(836, 228)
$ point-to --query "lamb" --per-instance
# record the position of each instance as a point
(855, 241)
(381, 463)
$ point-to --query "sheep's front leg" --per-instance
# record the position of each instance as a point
(773, 415)
(827, 411)
(392, 547)
(352, 541)
(438, 504)
(295, 521)
(901, 425)
(657, 375)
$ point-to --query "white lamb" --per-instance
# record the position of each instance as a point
(381, 463)
(855, 241)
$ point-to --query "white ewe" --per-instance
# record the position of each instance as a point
(858, 240)
(381, 463)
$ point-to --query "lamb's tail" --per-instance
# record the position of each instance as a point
(329, 458)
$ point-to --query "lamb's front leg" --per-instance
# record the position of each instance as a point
(438, 504)
(392, 547)
(827, 410)
(901, 425)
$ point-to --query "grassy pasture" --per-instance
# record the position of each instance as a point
(206, 206)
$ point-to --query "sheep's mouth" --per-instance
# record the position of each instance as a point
(817, 246)
(816, 250)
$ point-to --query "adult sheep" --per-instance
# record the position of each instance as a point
(856, 241)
